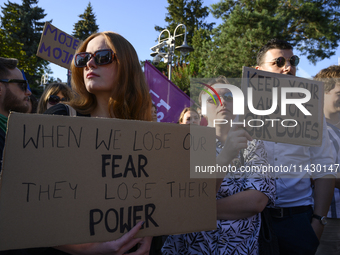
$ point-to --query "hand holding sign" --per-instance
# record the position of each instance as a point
(119, 246)
(126, 242)
(237, 139)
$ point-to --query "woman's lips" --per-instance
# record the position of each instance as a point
(91, 74)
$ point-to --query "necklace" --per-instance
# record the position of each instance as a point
(337, 123)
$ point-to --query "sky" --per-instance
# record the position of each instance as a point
(135, 20)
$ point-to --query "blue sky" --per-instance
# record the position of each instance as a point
(135, 20)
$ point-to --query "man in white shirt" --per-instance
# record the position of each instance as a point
(297, 226)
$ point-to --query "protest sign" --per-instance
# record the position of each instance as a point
(68, 180)
(168, 98)
(56, 46)
(290, 122)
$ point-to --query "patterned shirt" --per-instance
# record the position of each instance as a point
(334, 136)
(231, 236)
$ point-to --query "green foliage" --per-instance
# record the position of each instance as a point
(163, 68)
(20, 35)
(192, 14)
(87, 25)
(312, 27)
(198, 57)
(181, 75)
(10, 47)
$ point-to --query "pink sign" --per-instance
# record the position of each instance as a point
(168, 98)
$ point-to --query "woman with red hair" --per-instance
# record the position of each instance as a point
(108, 81)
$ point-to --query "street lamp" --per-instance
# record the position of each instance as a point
(158, 53)
(43, 80)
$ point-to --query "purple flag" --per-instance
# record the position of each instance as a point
(168, 98)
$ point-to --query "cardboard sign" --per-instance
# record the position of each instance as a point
(70, 180)
(57, 47)
(294, 127)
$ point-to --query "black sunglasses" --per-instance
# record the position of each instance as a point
(23, 84)
(228, 97)
(101, 57)
(53, 99)
(281, 61)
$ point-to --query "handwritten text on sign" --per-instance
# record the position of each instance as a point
(88, 180)
(56, 46)
(289, 125)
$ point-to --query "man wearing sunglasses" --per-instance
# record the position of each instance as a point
(14, 95)
(297, 225)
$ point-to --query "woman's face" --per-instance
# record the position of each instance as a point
(154, 113)
(218, 111)
(60, 95)
(191, 117)
(99, 79)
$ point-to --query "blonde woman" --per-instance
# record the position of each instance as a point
(54, 94)
(189, 116)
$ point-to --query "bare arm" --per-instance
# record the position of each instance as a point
(241, 205)
(119, 246)
(323, 194)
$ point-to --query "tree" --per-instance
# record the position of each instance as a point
(312, 27)
(187, 12)
(9, 45)
(181, 77)
(192, 14)
(87, 25)
(20, 36)
(199, 41)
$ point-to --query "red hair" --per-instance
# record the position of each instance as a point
(130, 99)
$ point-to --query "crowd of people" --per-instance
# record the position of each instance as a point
(304, 211)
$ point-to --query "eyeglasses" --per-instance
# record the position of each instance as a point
(53, 99)
(228, 97)
(23, 84)
(281, 61)
(101, 57)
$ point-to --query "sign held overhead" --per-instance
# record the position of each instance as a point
(57, 46)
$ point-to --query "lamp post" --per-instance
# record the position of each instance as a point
(43, 80)
(158, 53)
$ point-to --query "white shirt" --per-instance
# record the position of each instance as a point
(334, 135)
(294, 188)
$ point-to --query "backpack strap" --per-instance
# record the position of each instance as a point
(71, 111)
